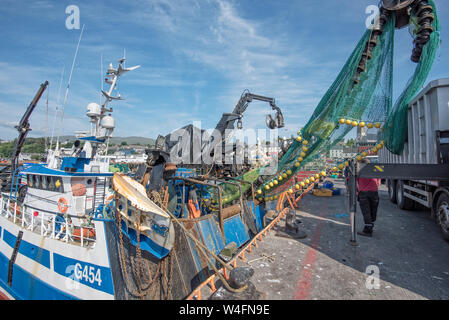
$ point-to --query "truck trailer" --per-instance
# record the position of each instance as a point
(427, 145)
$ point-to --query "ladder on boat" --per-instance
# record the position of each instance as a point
(99, 191)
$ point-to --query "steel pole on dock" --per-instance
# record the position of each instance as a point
(352, 200)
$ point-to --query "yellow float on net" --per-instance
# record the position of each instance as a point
(323, 173)
(379, 146)
(362, 124)
(317, 176)
(359, 158)
(342, 121)
(302, 184)
(298, 139)
(289, 172)
(374, 149)
(266, 199)
(271, 184)
(303, 154)
(335, 169)
(297, 164)
(369, 125)
(275, 182)
(377, 125)
(290, 190)
(299, 132)
(305, 149)
(300, 159)
(297, 187)
(284, 175)
(348, 122)
(355, 123)
(267, 187)
(312, 179)
(364, 154)
(307, 181)
(280, 178)
(341, 166)
(305, 142)
(259, 191)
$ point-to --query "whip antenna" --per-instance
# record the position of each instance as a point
(68, 87)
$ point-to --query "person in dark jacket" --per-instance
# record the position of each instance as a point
(368, 197)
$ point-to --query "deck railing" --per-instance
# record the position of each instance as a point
(50, 224)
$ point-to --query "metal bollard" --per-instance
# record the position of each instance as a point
(352, 200)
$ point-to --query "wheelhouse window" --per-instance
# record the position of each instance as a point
(58, 184)
(45, 183)
(51, 183)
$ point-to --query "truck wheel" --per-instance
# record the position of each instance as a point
(443, 214)
(391, 190)
(404, 203)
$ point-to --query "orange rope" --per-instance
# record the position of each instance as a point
(259, 237)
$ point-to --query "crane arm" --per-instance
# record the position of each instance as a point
(24, 127)
(248, 97)
(228, 119)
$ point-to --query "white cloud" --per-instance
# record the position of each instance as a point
(204, 53)
(224, 42)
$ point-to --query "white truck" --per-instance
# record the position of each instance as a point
(428, 144)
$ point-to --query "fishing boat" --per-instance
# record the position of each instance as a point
(53, 241)
(71, 229)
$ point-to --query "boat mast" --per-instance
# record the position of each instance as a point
(112, 77)
(56, 109)
(68, 87)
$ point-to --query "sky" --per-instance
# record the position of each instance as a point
(196, 57)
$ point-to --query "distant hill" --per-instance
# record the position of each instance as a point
(118, 140)
(37, 145)
(133, 140)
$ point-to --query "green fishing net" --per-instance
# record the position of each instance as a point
(369, 100)
(395, 130)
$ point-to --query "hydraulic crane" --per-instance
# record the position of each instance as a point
(228, 119)
(160, 156)
(226, 125)
(23, 128)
